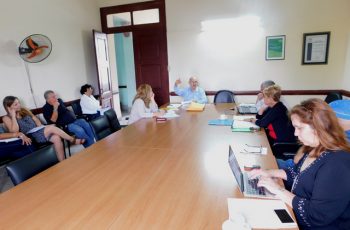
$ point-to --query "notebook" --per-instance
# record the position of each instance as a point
(221, 122)
(247, 109)
(247, 187)
(195, 107)
(244, 126)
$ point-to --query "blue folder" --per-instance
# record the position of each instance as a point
(225, 122)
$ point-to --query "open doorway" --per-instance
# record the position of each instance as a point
(124, 52)
(138, 33)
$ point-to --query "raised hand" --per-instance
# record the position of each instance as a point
(178, 82)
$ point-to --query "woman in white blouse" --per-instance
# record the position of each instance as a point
(89, 105)
(144, 104)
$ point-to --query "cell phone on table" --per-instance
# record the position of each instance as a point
(284, 216)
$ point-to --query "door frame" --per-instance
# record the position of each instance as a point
(161, 27)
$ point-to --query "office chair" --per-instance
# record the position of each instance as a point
(32, 164)
(77, 110)
(333, 96)
(113, 120)
(224, 96)
(101, 128)
(285, 150)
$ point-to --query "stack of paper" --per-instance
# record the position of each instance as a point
(244, 126)
(196, 107)
(259, 213)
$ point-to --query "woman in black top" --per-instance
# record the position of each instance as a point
(275, 117)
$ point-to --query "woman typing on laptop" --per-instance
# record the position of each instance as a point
(320, 192)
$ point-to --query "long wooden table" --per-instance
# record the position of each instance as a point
(150, 175)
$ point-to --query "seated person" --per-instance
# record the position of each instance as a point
(21, 119)
(144, 105)
(16, 148)
(275, 117)
(192, 92)
(260, 97)
(342, 111)
(89, 105)
(320, 192)
(55, 112)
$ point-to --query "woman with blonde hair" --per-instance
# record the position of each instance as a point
(144, 105)
(320, 180)
(275, 117)
(20, 119)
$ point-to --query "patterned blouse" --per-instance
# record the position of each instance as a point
(26, 124)
(322, 191)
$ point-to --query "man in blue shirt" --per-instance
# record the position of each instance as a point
(192, 92)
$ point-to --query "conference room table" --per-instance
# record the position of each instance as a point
(149, 175)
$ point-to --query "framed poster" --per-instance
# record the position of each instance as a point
(315, 48)
(275, 47)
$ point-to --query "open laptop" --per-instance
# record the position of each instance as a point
(248, 187)
(247, 109)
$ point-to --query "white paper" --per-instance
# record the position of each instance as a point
(244, 124)
(9, 139)
(169, 115)
(258, 213)
(242, 118)
(33, 130)
(255, 150)
(174, 106)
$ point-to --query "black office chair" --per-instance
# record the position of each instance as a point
(333, 96)
(113, 120)
(78, 111)
(101, 128)
(285, 150)
(32, 164)
(224, 96)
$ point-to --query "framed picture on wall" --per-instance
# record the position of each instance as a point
(315, 48)
(275, 47)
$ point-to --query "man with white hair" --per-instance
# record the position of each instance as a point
(191, 93)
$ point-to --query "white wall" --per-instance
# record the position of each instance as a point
(235, 58)
(69, 24)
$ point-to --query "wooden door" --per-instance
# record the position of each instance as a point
(150, 44)
(103, 69)
(151, 63)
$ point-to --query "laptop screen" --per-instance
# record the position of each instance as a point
(235, 168)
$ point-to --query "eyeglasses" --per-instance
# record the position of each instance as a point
(252, 149)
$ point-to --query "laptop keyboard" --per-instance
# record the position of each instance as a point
(247, 109)
(252, 187)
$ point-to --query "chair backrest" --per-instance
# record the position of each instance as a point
(32, 164)
(333, 96)
(112, 119)
(100, 126)
(224, 96)
(77, 108)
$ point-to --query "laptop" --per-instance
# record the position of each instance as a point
(247, 109)
(248, 187)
